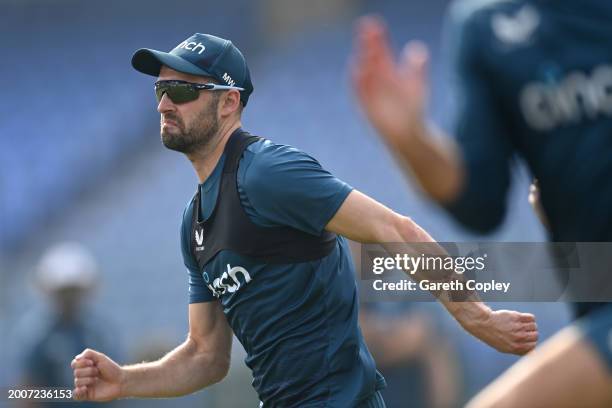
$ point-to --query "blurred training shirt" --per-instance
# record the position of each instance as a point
(535, 78)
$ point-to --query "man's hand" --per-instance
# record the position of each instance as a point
(392, 95)
(96, 377)
(505, 330)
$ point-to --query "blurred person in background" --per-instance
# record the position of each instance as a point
(263, 242)
(67, 275)
(412, 350)
(413, 354)
(534, 79)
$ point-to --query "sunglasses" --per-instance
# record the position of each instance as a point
(183, 91)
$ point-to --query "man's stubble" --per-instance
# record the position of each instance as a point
(198, 136)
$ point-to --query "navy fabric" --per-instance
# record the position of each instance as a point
(597, 329)
(534, 78)
(376, 401)
(297, 322)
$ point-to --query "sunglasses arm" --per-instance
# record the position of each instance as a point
(215, 87)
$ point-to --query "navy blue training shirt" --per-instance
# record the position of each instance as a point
(297, 322)
(535, 78)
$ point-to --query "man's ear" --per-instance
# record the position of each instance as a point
(230, 103)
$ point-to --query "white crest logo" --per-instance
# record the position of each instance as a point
(516, 29)
(200, 237)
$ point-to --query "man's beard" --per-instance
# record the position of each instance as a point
(198, 136)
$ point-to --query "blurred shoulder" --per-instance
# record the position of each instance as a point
(480, 12)
(478, 30)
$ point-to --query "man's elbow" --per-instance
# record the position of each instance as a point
(211, 369)
(213, 364)
(481, 207)
(482, 222)
(487, 225)
(219, 367)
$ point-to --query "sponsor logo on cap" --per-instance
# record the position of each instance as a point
(192, 46)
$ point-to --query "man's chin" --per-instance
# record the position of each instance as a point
(173, 142)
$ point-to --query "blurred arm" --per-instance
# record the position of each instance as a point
(434, 160)
(393, 96)
(469, 177)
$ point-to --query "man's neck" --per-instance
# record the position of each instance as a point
(204, 162)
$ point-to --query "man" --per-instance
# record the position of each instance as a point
(417, 358)
(534, 78)
(262, 240)
(67, 275)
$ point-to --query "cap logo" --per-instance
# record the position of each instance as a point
(228, 79)
(192, 46)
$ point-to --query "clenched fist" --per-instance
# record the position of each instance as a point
(96, 377)
(506, 331)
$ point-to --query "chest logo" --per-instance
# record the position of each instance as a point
(229, 281)
(199, 237)
(577, 97)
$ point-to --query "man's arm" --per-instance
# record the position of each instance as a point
(469, 176)
(203, 359)
(365, 220)
(393, 96)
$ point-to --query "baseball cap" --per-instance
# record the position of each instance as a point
(67, 264)
(200, 54)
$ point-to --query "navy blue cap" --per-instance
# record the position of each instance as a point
(200, 54)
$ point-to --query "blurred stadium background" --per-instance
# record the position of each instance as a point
(80, 157)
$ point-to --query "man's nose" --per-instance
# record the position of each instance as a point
(165, 104)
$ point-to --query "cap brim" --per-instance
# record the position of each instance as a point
(150, 62)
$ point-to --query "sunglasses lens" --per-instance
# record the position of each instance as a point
(159, 91)
(178, 93)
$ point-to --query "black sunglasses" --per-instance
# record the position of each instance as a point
(183, 91)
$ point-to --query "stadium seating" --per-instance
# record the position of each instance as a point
(72, 107)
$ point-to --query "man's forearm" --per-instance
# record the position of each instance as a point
(434, 161)
(506, 331)
(182, 371)
(464, 305)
